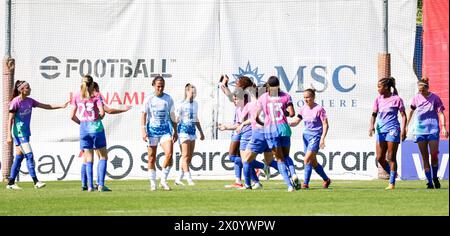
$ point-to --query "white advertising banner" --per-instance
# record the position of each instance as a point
(128, 160)
(330, 45)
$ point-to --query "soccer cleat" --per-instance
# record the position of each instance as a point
(39, 184)
(326, 183)
(191, 183)
(305, 186)
(152, 187)
(90, 190)
(258, 172)
(84, 188)
(430, 186)
(267, 171)
(436, 182)
(235, 185)
(164, 186)
(257, 186)
(291, 189)
(178, 182)
(390, 187)
(103, 189)
(244, 187)
(13, 187)
(296, 182)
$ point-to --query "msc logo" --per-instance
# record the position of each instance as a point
(342, 78)
(252, 74)
(52, 67)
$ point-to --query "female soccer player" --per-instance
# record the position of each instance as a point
(102, 162)
(157, 114)
(187, 120)
(430, 110)
(87, 112)
(256, 145)
(385, 111)
(276, 105)
(239, 100)
(314, 133)
(20, 109)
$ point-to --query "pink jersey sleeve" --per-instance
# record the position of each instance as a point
(414, 101)
(75, 99)
(34, 102)
(322, 114)
(375, 105)
(439, 106)
(401, 106)
(14, 105)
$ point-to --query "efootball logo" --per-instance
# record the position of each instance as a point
(249, 72)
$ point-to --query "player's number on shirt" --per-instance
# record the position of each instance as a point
(86, 111)
(276, 113)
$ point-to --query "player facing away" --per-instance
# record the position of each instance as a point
(385, 113)
(158, 113)
(88, 111)
(276, 105)
(426, 129)
(239, 101)
(187, 119)
(108, 110)
(314, 132)
(20, 109)
(256, 145)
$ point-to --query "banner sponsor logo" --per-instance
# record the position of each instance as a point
(412, 163)
(52, 67)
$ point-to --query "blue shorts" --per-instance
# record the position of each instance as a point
(280, 141)
(311, 142)
(258, 143)
(426, 137)
(236, 137)
(392, 135)
(246, 136)
(93, 141)
(20, 140)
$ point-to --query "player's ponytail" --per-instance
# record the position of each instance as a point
(392, 82)
(87, 87)
(389, 82)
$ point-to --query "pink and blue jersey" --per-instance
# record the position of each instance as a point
(88, 114)
(250, 110)
(274, 107)
(426, 120)
(312, 119)
(22, 118)
(387, 109)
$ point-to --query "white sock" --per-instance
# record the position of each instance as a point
(189, 177)
(165, 174)
(152, 174)
(238, 181)
(180, 177)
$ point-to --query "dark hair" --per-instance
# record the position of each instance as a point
(311, 91)
(273, 81)
(16, 91)
(390, 83)
(96, 87)
(244, 82)
(158, 78)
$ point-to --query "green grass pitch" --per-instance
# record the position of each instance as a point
(133, 197)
